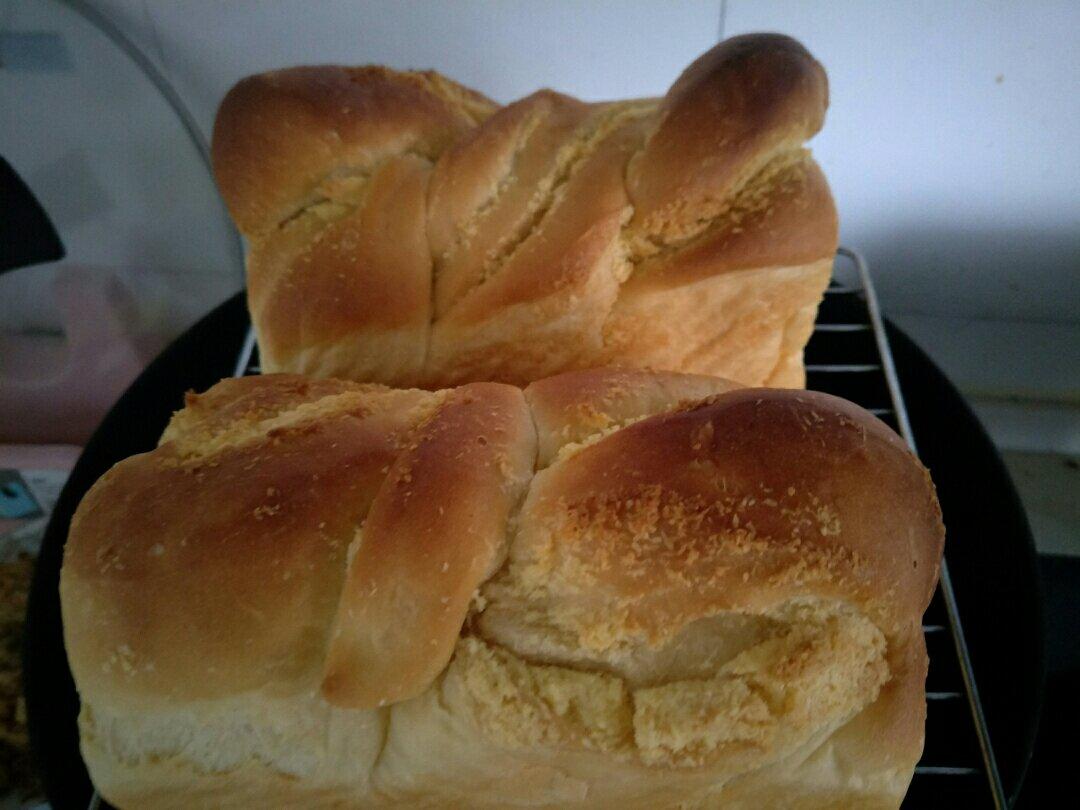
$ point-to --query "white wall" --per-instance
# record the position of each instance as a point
(952, 143)
(505, 48)
(953, 148)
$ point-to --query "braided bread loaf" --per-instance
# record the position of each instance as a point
(612, 589)
(405, 230)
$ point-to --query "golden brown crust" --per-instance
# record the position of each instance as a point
(578, 406)
(435, 532)
(366, 279)
(544, 236)
(278, 135)
(484, 193)
(617, 588)
(753, 495)
(546, 306)
(764, 93)
(786, 218)
(252, 524)
(769, 316)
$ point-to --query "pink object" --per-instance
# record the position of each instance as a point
(53, 392)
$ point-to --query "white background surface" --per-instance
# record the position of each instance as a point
(952, 142)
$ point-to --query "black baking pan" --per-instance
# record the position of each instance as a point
(991, 555)
(989, 547)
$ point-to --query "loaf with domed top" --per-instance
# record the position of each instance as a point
(613, 588)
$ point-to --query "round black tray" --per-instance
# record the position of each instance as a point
(990, 551)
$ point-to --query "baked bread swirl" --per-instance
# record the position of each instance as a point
(405, 230)
(615, 588)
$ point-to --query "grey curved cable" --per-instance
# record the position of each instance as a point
(144, 63)
(187, 120)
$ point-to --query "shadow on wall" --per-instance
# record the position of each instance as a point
(985, 273)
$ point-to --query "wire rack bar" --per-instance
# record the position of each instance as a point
(997, 790)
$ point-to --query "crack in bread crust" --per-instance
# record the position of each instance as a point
(570, 158)
(817, 666)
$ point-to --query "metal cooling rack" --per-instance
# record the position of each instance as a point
(848, 355)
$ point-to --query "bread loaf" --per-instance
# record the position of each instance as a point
(403, 229)
(615, 588)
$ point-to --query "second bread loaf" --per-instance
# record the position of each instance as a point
(406, 230)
